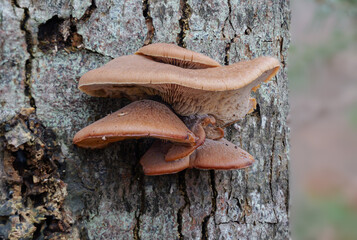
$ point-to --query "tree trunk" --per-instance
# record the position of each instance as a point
(52, 189)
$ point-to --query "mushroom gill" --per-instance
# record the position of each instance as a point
(222, 92)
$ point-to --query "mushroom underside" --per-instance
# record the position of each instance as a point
(219, 91)
(225, 106)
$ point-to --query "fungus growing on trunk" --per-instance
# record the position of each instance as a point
(139, 119)
(218, 155)
(222, 92)
(197, 87)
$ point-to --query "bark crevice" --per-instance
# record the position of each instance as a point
(230, 15)
(98, 53)
(141, 179)
(205, 222)
(149, 23)
(183, 191)
(271, 169)
(281, 49)
(186, 13)
(29, 49)
(227, 51)
(88, 13)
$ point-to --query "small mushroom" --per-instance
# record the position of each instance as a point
(178, 56)
(139, 119)
(153, 161)
(222, 92)
(218, 155)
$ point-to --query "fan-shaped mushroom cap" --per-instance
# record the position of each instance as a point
(218, 155)
(220, 91)
(178, 56)
(153, 161)
(144, 118)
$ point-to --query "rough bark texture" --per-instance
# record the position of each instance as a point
(47, 45)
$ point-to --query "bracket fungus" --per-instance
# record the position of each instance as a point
(205, 94)
(139, 119)
(222, 92)
(213, 154)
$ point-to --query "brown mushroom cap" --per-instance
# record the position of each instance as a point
(153, 161)
(139, 70)
(178, 56)
(218, 155)
(144, 118)
(221, 91)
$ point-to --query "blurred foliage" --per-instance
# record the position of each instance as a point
(303, 58)
(325, 218)
(353, 116)
(342, 6)
(321, 216)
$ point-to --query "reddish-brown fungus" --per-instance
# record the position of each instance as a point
(139, 119)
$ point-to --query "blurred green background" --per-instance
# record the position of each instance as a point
(323, 119)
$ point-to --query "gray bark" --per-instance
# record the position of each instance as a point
(47, 45)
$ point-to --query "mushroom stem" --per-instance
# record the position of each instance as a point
(178, 151)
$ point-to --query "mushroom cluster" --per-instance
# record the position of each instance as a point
(206, 96)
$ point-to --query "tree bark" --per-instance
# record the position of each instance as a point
(71, 193)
